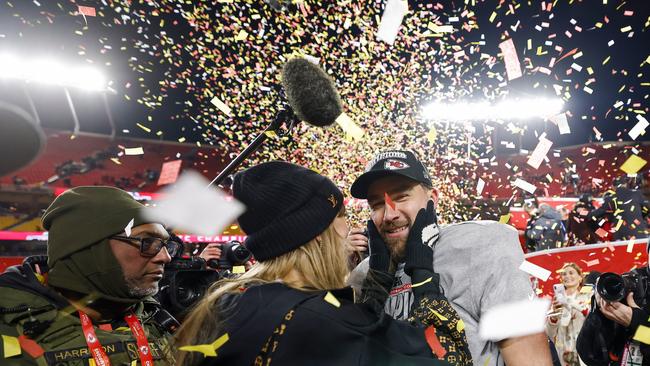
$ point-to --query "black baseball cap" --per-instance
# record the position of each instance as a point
(392, 162)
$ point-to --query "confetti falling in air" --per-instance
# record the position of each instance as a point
(192, 206)
(133, 151)
(535, 270)
(167, 61)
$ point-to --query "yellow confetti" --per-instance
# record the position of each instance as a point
(626, 29)
(630, 244)
(271, 134)
(440, 316)
(504, 219)
(221, 106)
(332, 299)
(431, 135)
(133, 151)
(242, 35)
(460, 326)
(143, 127)
(642, 334)
(10, 346)
(209, 350)
(441, 28)
(633, 164)
(492, 16)
(349, 127)
(238, 269)
(116, 161)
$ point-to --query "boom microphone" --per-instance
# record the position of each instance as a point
(311, 92)
(312, 98)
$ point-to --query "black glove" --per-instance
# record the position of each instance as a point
(422, 236)
(379, 255)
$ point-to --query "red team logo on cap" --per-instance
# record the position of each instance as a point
(392, 164)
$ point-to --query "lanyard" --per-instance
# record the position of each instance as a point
(95, 347)
(141, 339)
(96, 350)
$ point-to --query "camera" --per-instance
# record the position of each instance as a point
(614, 287)
(186, 280)
(233, 253)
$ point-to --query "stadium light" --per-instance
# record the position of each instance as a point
(518, 109)
(49, 71)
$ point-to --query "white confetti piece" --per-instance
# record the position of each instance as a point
(525, 186)
(128, 228)
(562, 123)
(538, 155)
(535, 270)
(480, 186)
(391, 20)
(134, 151)
(514, 319)
(639, 128)
(191, 207)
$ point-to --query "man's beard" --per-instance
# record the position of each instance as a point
(138, 291)
(397, 248)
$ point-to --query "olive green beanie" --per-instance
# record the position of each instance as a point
(83, 216)
(80, 258)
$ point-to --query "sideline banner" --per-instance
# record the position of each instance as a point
(619, 257)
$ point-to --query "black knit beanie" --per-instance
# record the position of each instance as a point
(286, 207)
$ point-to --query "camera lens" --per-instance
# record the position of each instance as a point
(611, 286)
(240, 254)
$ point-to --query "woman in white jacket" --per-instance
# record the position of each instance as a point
(568, 315)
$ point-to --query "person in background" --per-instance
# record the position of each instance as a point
(569, 309)
(581, 230)
(530, 207)
(625, 209)
(548, 232)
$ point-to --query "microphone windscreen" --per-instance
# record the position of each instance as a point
(311, 92)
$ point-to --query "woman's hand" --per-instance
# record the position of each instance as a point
(357, 242)
(556, 311)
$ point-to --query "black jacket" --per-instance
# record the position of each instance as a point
(294, 327)
(626, 205)
(601, 341)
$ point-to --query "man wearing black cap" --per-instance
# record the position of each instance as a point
(477, 261)
(105, 260)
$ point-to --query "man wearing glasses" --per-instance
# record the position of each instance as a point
(105, 260)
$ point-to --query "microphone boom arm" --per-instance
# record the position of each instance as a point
(284, 115)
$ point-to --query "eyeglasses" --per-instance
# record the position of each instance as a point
(151, 246)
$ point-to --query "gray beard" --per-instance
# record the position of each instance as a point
(139, 292)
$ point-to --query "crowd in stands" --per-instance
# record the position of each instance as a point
(621, 216)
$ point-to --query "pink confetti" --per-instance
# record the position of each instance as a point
(88, 11)
(513, 67)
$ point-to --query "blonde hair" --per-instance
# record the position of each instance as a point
(322, 264)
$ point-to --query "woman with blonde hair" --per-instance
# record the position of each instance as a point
(568, 314)
(292, 307)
